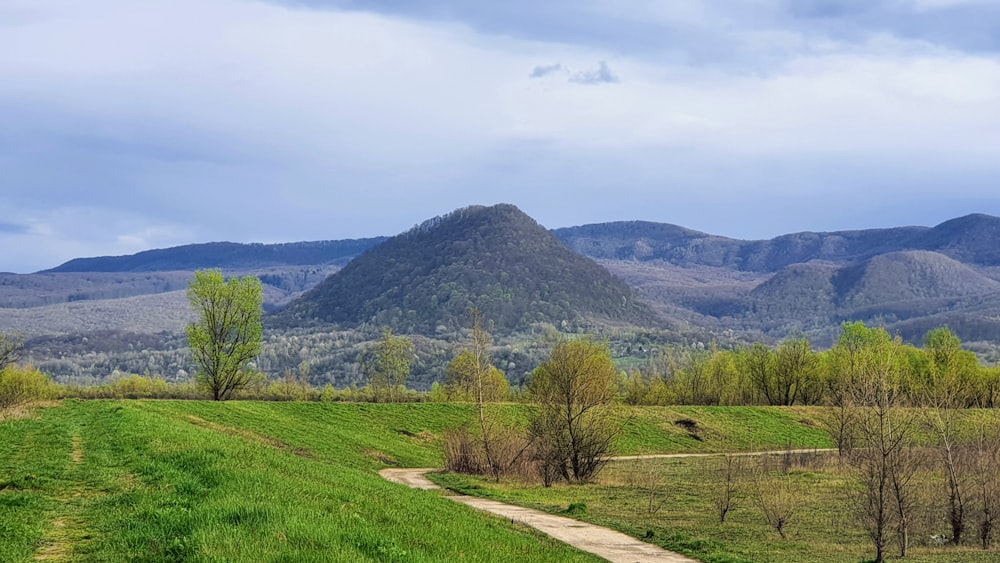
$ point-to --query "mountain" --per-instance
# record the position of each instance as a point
(494, 258)
(907, 278)
(969, 239)
(227, 256)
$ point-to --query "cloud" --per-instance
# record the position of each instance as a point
(541, 71)
(264, 121)
(601, 75)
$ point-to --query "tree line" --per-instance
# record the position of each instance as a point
(794, 373)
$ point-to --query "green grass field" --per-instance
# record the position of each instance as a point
(253, 481)
(168, 481)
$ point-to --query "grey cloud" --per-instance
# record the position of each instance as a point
(721, 37)
(13, 228)
(541, 71)
(601, 75)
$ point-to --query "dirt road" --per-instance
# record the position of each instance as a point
(603, 542)
(609, 544)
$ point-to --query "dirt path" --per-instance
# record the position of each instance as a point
(740, 454)
(609, 544)
(603, 542)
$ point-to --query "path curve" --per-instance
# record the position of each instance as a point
(603, 542)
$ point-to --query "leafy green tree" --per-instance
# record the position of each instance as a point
(951, 377)
(797, 373)
(573, 422)
(758, 363)
(227, 336)
(387, 366)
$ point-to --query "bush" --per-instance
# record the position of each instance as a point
(23, 385)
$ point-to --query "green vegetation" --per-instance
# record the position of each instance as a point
(19, 386)
(387, 366)
(239, 481)
(795, 374)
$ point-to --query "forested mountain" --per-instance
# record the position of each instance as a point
(227, 256)
(496, 259)
(971, 239)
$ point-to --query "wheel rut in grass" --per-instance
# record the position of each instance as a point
(603, 542)
(250, 435)
(67, 528)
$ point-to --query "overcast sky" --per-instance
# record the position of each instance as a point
(130, 125)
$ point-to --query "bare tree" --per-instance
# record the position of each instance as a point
(905, 465)
(472, 374)
(955, 464)
(11, 347)
(986, 477)
(883, 502)
(573, 423)
(726, 490)
(776, 497)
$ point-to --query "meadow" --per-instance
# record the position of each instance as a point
(153, 480)
(250, 481)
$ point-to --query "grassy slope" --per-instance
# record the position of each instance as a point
(238, 481)
(165, 480)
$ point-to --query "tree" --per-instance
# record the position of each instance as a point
(573, 422)
(883, 459)
(387, 365)
(844, 364)
(758, 363)
(472, 375)
(228, 334)
(986, 452)
(11, 346)
(785, 376)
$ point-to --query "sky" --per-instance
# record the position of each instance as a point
(132, 125)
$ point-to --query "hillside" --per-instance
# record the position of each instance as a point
(226, 256)
(908, 278)
(494, 258)
(643, 241)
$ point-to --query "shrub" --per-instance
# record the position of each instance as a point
(23, 385)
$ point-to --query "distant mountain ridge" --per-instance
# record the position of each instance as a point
(496, 259)
(971, 239)
(225, 255)
(907, 278)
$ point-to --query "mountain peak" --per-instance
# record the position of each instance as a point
(496, 259)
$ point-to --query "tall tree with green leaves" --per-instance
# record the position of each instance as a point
(387, 365)
(228, 333)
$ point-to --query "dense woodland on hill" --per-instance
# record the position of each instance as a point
(495, 259)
